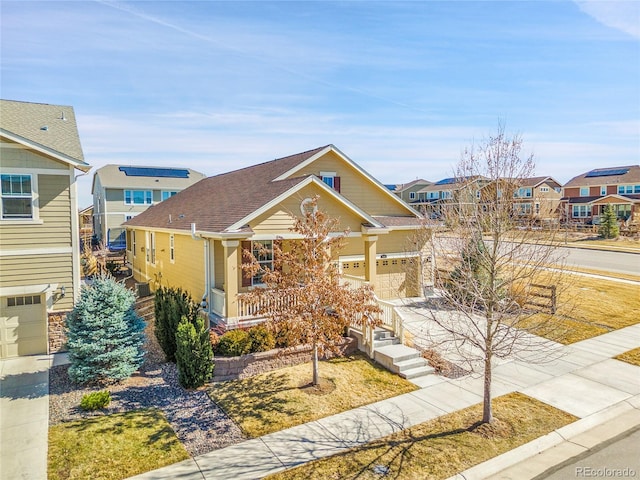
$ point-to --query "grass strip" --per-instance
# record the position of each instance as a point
(112, 447)
(273, 401)
(441, 447)
(632, 357)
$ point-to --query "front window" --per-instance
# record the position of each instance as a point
(412, 195)
(525, 192)
(584, 191)
(151, 249)
(168, 194)
(263, 253)
(138, 197)
(446, 194)
(543, 189)
(522, 208)
(603, 190)
(17, 196)
(628, 189)
(580, 211)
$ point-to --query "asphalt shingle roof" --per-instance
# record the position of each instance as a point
(216, 203)
(51, 126)
(632, 176)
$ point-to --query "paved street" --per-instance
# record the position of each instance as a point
(620, 459)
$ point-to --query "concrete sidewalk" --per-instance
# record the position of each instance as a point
(584, 380)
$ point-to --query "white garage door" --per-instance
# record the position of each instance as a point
(23, 326)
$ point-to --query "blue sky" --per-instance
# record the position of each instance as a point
(400, 87)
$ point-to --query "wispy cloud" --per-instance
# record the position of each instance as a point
(621, 15)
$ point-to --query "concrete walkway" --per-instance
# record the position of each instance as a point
(584, 380)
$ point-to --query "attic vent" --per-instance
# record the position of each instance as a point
(44, 128)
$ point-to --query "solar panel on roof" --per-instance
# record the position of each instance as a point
(155, 172)
(607, 173)
(447, 181)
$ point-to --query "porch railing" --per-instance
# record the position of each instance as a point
(390, 318)
(218, 302)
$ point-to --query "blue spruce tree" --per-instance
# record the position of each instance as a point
(104, 334)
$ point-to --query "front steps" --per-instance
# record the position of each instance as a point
(405, 361)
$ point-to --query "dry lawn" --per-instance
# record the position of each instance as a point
(273, 401)
(588, 307)
(442, 447)
(112, 447)
(632, 357)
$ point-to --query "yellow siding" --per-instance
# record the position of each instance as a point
(187, 270)
(27, 270)
(15, 155)
(357, 188)
(278, 221)
(395, 242)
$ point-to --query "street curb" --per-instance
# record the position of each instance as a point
(538, 456)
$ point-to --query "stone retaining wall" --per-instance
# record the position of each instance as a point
(57, 337)
(245, 366)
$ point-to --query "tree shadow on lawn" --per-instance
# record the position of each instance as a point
(256, 398)
(151, 420)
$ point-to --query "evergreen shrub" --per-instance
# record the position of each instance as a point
(104, 334)
(261, 339)
(234, 343)
(194, 355)
(95, 400)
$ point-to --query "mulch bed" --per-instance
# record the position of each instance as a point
(199, 423)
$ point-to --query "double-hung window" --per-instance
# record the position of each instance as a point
(263, 253)
(331, 179)
(166, 194)
(628, 189)
(581, 211)
(138, 197)
(17, 197)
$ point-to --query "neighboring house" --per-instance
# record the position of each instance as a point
(40, 152)
(409, 191)
(449, 194)
(120, 192)
(586, 196)
(195, 240)
(535, 199)
(85, 217)
(538, 198)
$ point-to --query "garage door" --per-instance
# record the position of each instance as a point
(391, 277)
(23, 326)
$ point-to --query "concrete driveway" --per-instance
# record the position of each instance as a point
(24, 417)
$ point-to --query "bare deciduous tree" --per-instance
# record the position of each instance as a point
(304, 290)
(492, 266)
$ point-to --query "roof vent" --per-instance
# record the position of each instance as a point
(44, 128)
(62, 117)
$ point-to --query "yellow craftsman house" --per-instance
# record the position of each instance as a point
(40, 152)
(194, 240)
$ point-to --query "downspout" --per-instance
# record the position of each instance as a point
(204, 304)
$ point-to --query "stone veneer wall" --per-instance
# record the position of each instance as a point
(57, 337)
(245, 366)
